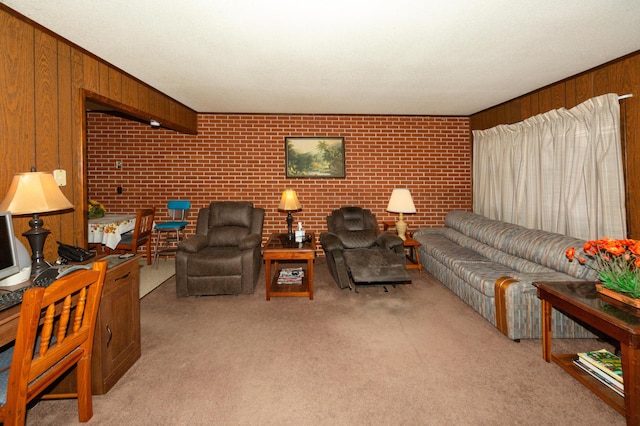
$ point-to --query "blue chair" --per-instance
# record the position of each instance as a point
(172, 231)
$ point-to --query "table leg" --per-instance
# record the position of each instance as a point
(310, 274)
(416, 256)
(630, 371)
(546, 330)
(267, 272)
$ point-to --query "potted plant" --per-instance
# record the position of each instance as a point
(617, 263)
(95, 209)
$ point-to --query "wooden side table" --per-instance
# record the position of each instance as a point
(278, 248)
(413, 257)
(580, 300)
(411, 246)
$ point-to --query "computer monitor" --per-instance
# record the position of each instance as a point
(15, 262)
(8, 253)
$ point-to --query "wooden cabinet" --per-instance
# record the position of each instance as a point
(116, 344)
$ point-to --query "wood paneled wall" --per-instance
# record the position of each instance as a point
(44, 81)
(621, 76)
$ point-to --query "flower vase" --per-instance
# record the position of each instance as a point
(618, 296)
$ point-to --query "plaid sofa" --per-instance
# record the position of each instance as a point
(491, 266)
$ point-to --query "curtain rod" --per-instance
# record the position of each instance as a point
(628, 95)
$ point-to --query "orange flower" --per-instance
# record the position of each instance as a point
(571, 253)
(617, 262)
(590, 247)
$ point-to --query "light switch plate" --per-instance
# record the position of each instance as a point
(60, 177)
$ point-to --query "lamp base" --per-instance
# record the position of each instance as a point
(290, 235)
(401, 228)
(37, 235)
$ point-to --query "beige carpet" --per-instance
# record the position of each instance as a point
(416, 355)
(151, 276)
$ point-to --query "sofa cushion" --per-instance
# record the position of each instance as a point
(536, 246)
(513, 262)
(363, 238)
(226, 236)
(212, 261)
(230, 213)
(375, 265)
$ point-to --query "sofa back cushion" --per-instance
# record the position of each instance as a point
(540, 247)
(356, 227)
(229, 222)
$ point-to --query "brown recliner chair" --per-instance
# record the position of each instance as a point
(223, 257)
(357, 253)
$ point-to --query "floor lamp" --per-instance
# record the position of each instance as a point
(35, 193)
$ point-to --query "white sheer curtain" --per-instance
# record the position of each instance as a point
(560, 171)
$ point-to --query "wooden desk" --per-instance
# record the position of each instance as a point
(622, 323)
(278, 248)
(116, 343)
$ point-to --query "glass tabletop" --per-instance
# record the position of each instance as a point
(282, 242)
(585, 293)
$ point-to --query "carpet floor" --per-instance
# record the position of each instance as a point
(416, 355)
(151, 276)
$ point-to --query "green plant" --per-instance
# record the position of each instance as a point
(617, 262)
(95, 209)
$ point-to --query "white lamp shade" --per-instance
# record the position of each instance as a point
(34, 192)
(401, 201)
(289, 201)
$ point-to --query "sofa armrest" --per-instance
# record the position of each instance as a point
(193, 244)
(389, 240)
(250, 241)
(330, 242)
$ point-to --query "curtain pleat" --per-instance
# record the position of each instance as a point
(560, 171)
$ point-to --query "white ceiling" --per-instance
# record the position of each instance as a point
(417, 57)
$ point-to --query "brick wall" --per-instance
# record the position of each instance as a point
(241, 157)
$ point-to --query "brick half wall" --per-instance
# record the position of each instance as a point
(242, 157)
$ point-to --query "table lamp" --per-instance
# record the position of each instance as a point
(401, 202)
(289, 203)
(34, 193)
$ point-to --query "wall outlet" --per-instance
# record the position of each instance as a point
(60, 176)
(118, 164)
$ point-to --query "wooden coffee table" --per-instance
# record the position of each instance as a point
(280, 248)
(616, 320)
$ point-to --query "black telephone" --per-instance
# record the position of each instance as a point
(73, 253)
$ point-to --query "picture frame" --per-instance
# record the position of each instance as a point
(315, 157)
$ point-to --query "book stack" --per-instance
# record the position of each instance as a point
(289, 276)
(604, 367)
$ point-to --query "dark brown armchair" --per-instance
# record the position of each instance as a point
(357, 253)
(223, 257)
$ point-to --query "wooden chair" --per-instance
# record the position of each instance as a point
(141, 234)
(55, 333)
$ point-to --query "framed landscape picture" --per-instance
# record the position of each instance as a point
(315, 157)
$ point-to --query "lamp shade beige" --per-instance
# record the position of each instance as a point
(34, 192)
(289, 201)
(401, 201)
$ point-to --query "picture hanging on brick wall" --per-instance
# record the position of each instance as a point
(315, 157)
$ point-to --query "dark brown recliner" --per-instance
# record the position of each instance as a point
(223, 257)
(357, 253)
